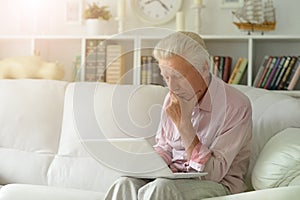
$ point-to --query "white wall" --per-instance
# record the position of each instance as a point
(18, 17)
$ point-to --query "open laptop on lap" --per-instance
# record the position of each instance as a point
(133, 157)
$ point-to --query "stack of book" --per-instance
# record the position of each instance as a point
(104, 62)
(238, 71)
(278, 73)
(95, 60)
(222, 67)
(115, 64)
(150, 72)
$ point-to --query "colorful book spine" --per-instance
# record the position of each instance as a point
(287, 72)
(241, 71)
(227, 68)
(295, 76)
(115, 64)
(143, 69)
(260, 71)
(235, 70)
(157, 78)
(150, 71)
(221, 67)
(266, 67)
(268, 74)
(279, 68)
(216, 65)
(91, 60)
(282, 72)
(211, 64)
(77, 68)
(101, 61)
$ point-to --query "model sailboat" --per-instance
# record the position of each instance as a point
(255, 16)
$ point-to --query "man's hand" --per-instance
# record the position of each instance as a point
(180, 111)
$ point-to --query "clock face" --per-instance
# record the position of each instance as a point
(156, 11)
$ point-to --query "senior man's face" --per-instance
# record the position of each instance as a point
(182, 78)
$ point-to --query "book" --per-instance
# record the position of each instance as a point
(227, 68)
(287, 72)
(291, 73)
(101, 61)
(115, 63)
(143, 69)
(157, 78)
(282, 72)
(278, 70)
(260, 70)
(294, 76)
(76, 68)
(263, 74)
(221, 67)
(211, 64)
(240, 72)
(150, 71)
(235, 70)
(95, 63)
(216, 65)
(269, 74)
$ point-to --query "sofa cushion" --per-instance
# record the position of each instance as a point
(30, 125)
(278, 162)
(38, 192)
(282, 193)
(98, 111)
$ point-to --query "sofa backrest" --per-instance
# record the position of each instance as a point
(30, 125)
(43, 122)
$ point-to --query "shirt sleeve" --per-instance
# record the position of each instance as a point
(217, 159)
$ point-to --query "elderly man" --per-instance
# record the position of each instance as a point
(205, 126)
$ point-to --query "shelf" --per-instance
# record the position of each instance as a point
(64, 48)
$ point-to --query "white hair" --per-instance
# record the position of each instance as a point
(188, 45)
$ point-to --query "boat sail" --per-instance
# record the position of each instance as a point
(255, 15)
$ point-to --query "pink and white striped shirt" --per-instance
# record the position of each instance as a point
(223, 123)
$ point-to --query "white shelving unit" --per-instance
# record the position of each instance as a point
(64, 48)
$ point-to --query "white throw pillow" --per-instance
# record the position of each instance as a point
(278, 163)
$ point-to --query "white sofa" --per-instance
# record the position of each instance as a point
(43, 123)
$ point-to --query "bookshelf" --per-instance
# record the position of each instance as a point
(65, 48)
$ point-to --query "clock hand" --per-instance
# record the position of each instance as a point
(163, 5)
(159, 1)
(150, 1)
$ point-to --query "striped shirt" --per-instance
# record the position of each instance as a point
(223, 123)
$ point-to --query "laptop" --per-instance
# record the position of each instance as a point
(133, 157)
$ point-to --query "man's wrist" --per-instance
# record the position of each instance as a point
(191, 146)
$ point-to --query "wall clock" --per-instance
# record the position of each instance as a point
(156, 11)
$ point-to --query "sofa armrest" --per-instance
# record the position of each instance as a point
(282, 193)
(278, 162)
(38, 192)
